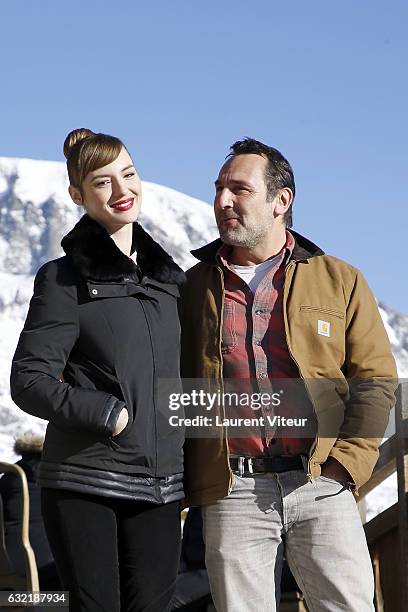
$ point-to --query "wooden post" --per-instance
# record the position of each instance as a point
(401, 416)
(362, 508)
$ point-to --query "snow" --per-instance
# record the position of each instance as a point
(382, 497)
(36, 211)
(33, 180)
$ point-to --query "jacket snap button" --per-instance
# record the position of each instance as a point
(95, 291)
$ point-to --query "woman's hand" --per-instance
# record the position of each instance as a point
(121, 422)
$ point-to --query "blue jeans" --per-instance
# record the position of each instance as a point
(318, 525)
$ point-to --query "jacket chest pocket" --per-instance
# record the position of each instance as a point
(229, 331)
(323, 310)
(323, 331)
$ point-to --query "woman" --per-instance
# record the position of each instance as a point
(102, 329)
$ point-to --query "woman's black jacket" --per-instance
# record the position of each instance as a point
(100, 334)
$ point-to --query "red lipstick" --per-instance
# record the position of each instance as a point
(123, 205)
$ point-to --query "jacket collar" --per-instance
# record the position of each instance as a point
(97, 258)
(303, 250)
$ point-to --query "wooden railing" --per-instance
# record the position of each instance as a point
(393, 522)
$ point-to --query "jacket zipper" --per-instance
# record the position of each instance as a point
(222, 374)
(154, 385)
(316, 440)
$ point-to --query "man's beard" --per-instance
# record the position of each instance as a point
(246, 236)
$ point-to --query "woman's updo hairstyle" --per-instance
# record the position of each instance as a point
(86, 151)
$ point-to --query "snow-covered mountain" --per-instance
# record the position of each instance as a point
(36, 211)
(396, 325)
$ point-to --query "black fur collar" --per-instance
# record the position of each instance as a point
(97, 258)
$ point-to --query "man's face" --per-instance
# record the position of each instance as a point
(243, 212)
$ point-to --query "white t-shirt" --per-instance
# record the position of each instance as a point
(253, 275)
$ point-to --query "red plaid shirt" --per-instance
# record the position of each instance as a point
(256, 356)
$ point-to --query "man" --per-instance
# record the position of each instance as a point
(266, 306)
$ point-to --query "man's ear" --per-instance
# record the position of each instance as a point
(75, 194)
(284, 201)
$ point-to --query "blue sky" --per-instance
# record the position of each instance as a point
(323, 80)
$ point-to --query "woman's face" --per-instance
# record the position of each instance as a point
(111, 195)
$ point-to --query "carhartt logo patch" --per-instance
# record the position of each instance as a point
(323, 328)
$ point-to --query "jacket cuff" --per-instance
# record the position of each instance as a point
(113, 408)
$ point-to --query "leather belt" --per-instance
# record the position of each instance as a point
(246, 466)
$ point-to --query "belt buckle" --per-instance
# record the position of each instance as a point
(241, 469)
(241, 466)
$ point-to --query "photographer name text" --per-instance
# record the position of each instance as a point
(218, 421)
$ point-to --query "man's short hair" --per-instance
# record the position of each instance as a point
(278, 172)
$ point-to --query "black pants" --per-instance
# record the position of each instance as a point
(112, 554)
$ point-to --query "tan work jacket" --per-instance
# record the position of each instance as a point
(350, 374)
